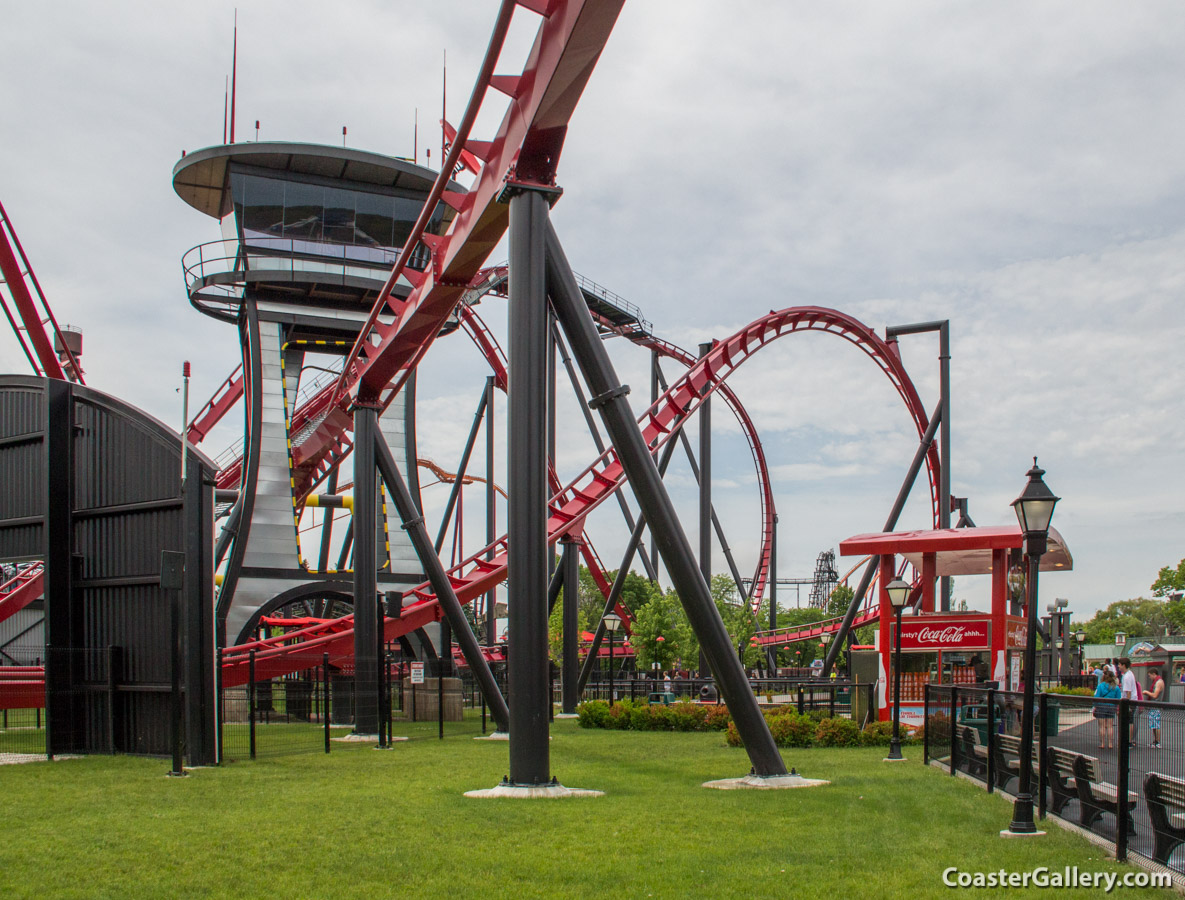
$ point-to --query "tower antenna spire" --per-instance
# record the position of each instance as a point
(234, 65)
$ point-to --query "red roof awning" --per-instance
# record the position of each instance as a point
(957, 551)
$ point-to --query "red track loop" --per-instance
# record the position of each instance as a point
(571, 506)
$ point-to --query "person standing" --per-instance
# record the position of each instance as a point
(1129, 691)
(1104, 713)
(1155, 693)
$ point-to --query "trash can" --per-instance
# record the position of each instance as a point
(666, 698)
(976, 716)
(707, 694)
(1053, 710)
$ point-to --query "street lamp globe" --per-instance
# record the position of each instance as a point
(1081, 636)
(1034, 506)
(898, 592)
(612, 622)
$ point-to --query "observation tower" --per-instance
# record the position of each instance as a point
(310, 234)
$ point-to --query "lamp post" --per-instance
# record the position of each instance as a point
(1080, 636)
(825, 639)
(898, 592)
(1034, 510)
(611, 622)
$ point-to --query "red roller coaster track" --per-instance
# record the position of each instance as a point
(570, 506)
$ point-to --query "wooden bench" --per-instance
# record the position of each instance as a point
(1166, 800)
(1097, 796)
(1006, 758)
(972, 752)
(1060, 770)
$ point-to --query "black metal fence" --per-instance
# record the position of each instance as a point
(22, 732)
(1114, 767)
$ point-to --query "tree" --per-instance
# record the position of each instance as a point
(661, 633)
(1169, 580)
(1138, 617)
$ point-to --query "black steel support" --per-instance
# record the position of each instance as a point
(366, 619)
(944, 501)
(327, 525)
(926, 723)
(456, 489)
(773, 594)
(491, 514)
(60, 621)
(672, 542)
(695, 472)
(1042, 747)
(915, 466)
(325, 697)
(595, 432)
(705, 501)
(1123, 824)
(571, 672)
(413, 524)
(527, 484)
(634, 543)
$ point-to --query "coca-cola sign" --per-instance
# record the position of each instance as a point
(1017, 633)
(928, 634)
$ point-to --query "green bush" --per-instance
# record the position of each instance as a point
(1071, 691)
(817, 715)
(593, 714)
(733, 737)
(837, 732)
(792, 730)
(717, 717)
(877, 734)
(688, 716)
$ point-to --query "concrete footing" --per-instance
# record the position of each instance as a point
(765, 782)
(494, 736)
(533, 791)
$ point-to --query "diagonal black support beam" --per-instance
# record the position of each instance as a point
(686, 442)
(634, 455)
(413, 523)
(591, 422)
(890, 523)
(455, 492)
(623, 570)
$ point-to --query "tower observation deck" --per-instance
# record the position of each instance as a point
(310, 234)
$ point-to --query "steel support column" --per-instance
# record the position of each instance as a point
(527, 487)
(675, 548)
(915, 466)
(705, 499)
(366, 619)
(571, 671)
(491, 513)
(413, 523)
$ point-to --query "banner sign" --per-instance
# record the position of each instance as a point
(417, 673)
(930, 633)
(1016, 634)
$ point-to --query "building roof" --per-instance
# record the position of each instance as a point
(199, 178)
(958, 551)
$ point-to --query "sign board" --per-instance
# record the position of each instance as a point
(1014, 674)
(945, 633)
(417, 673)
(1016, 634)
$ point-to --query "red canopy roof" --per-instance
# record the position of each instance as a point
(957, 551)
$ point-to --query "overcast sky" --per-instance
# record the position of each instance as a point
(1016, 168)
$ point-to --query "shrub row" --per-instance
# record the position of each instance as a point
(788, 727)
(627, 714)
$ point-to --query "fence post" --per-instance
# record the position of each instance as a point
(251, 702)
(831, 702)
(440, 696)
(801, 708)
(112, 662)
(954, 730)
(1042, 746)
(991, 740)
(1121, 811)
(325, 697)
(926, 724)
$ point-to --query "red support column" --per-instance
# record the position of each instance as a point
(929, 573)
(999, 611)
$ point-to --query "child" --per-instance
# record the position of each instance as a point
(1108, 689)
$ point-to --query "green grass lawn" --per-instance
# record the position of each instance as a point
(366, 823)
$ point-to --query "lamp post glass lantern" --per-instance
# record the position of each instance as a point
(611, 622)
(898, 592)
(1034, 510)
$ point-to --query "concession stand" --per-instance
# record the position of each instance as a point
(944, 647)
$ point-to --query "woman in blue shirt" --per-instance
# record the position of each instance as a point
(1108, 689)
